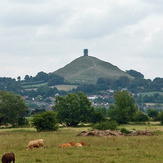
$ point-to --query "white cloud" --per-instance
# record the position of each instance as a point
(46, 35)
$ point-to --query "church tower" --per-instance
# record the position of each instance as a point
(85, 52)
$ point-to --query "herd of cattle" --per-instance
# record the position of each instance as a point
(39, 143)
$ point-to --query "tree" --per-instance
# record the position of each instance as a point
(97, 116)
(102, 109)
(55, 79)
(157, 83)
(135, 74)
(73, 109)
(26, 78)
(153, 113)
(124, 109)
(122, 82)
(46, 121)
(12, 108)
(18, 78)
(41, 76)
(10, 84)
(160, 116)
(86, 88)
(141, 117)
(105, 81)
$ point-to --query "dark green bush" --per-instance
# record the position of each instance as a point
(140, 117)
(125, 131)
(107, 125)
(160, 117)
(22, 121)
(46, 121)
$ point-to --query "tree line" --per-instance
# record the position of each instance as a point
(137, 85)
(74, 109)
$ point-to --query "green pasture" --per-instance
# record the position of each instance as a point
(32, 86)
(59, 87)
(65, 87)
(122, 149)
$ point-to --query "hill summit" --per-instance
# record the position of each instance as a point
(88, 69)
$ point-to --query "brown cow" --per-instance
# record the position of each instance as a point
(39, 143)
(8, 157)
(67, 145)
(81, 144)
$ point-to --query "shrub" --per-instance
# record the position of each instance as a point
(125, 131)
(22, 121)
(141, 117)
(161, 117)
(153, 114)
(107, 125)
(46, 121)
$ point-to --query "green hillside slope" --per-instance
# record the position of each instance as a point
(88, 69)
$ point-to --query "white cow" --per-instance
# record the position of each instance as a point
(39, 143)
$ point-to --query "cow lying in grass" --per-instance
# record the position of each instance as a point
(39, 143)
(81, 144)
(71, 144)
(67, 145)
(8, 157)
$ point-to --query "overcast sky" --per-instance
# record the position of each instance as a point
(45, 35)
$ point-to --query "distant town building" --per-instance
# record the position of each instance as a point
(85, 52)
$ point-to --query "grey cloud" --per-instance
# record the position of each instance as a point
(154, 2)
(106, 23)
(50, 34)
(24, 17)
(156, 6)
(26, 1)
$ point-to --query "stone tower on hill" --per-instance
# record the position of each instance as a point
(85, 52)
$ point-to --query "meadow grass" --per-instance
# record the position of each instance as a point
(65, 87)
(122, 149)
(32, 86)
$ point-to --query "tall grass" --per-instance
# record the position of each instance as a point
(120, 149)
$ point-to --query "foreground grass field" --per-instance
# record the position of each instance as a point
(122, 149)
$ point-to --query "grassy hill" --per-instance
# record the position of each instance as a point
(88, 69)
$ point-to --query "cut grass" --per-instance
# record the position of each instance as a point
(121, 149)
(66, 87)
(32, 86)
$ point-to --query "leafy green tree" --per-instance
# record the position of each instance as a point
(160, 116)
(141, 117)
(153, 113)
(97, 116)
(86, 88)
(73, 109)
(55, 79)
(135, 74)
(46, 121)
(26, 78)
(43, 90)
(10, 84)
(12, 108)
(18, 78)
(124, 108)
(41, 76)
(37, 111)
(105, 81)
(122, 82)
(102, 109)
(157, 83)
